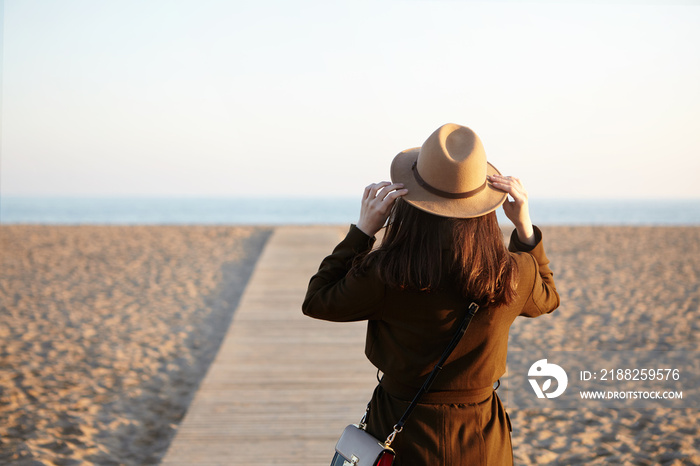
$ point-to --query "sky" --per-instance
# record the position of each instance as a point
(314, 98)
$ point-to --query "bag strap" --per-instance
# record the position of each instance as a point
(473, 307)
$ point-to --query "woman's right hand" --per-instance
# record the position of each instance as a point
(376, 205)
(517, 210)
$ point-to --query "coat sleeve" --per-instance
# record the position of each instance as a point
(538, 279)
(334, 294)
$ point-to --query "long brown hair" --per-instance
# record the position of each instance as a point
(422, 251)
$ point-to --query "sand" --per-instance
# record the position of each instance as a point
(105, 333)
(623, 288)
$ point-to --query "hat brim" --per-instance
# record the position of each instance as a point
(488, 200)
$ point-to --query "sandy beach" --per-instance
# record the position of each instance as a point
(622, 288)
(106, 332)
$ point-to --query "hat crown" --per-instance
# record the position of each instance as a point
(452, 159)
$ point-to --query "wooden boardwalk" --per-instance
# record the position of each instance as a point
(283, 386)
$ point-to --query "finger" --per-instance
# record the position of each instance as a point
(383, 207)
(392, 196)
(504, 179)
(388, 189)
(503, 185)
(518, 190)
(370, 192)
(509, 184)
(375, 187)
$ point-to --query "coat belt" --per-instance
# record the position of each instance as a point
(406, 392)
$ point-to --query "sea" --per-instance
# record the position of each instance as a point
(316, 211)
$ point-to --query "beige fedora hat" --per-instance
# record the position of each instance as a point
(446, 176)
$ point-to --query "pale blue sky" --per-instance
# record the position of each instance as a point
(298, 98)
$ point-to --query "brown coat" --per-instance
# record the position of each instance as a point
(461, 420)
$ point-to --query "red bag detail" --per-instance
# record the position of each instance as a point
(387, 459)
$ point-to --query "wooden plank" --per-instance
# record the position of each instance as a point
(283, 386)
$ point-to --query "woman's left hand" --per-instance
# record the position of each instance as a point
(376, 205)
